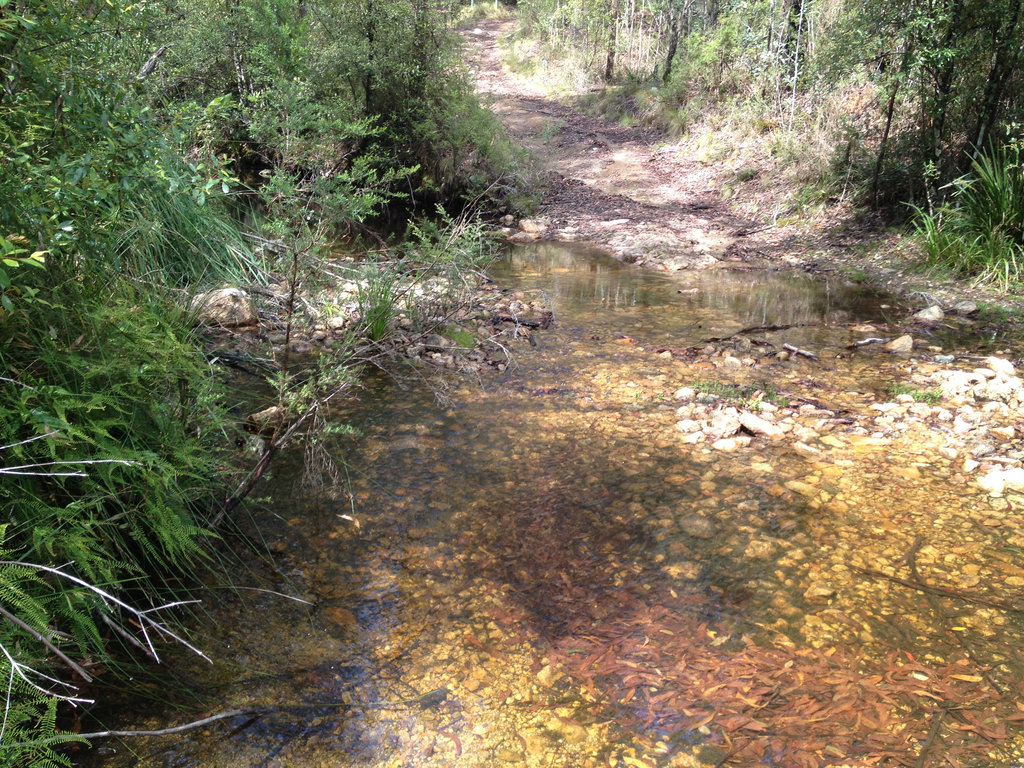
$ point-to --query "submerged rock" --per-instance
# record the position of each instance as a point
(697, 526)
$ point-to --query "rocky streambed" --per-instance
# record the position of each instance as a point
(697, 520)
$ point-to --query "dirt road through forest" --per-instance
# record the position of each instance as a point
(611, 185)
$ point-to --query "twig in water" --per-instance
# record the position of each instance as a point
(128, 734)
(865, 342)
(929, 742)
(799, 352)
(938, 590)
(757, 329)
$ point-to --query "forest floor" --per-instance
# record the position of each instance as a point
(658, 203)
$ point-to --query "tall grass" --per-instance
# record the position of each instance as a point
(980, 231)
(175, 236)
(109, 426)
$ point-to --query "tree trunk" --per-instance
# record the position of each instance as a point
(890, 108)
(1007, 59)
(889, 111)
(237, 62)
(613, 39)
(674, 19)
(368, 79)
(944, 82)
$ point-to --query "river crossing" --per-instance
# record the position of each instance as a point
(564, 565)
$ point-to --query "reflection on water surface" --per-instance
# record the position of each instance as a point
(544, 574)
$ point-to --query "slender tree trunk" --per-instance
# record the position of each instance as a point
(613, 40)
(943, 90)
(237, 61)
(674, 21)
(368, 79)
(889, 110)
(1007, 59)
(801, 5)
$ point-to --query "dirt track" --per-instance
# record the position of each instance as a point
(648, 201)
(610, 185)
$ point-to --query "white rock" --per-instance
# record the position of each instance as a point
(725, 423)
(1004, 433)
(533, 226)
(932, 314)
(753, 423)
(992, 482)
(229, 307)
(1003, 368)
(731, 362)
(685, 394)
(901, 345)
(948, 452)
(1013, 479)
(964, 308)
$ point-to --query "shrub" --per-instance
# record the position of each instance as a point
(980, 232)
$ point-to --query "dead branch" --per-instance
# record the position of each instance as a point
(541, 324)
(929, 742)
(865, 342)
(151, 62)
(799, 352)
(757, 329)
(944, 591)
(77, 668)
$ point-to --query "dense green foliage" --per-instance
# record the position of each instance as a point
(125, 128)
(354, 102)
(106, 409)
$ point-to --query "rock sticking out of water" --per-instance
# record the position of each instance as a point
(226, 307)
(932, 314)
(901, 345)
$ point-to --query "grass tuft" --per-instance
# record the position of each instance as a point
(980, 232)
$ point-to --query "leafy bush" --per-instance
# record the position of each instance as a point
(980, 232)
(108, 411)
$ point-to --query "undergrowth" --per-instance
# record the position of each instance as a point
(746, 396)
(929, 396)
(979, 233)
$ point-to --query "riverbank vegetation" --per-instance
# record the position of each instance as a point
(911, 109)
(150, 150)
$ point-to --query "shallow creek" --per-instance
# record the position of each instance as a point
(535, 569)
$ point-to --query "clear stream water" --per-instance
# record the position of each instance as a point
(531, 569)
